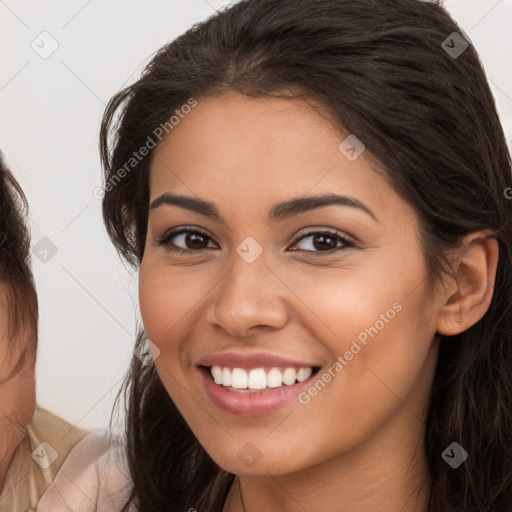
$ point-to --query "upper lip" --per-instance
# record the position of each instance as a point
(255, 360)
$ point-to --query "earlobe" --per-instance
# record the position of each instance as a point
(473, 279)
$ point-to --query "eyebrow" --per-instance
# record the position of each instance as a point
(278, 212)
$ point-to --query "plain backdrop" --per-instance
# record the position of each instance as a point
(50, 111)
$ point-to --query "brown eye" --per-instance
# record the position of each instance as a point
(325, 241)
(192, 239)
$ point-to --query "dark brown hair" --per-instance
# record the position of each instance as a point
(16, 279)
(429, 119)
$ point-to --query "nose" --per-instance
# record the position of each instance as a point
(249, 298)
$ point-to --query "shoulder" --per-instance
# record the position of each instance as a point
(38, 458)
(92, 478)
(48, 432)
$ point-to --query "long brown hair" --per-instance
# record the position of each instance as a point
(384, 71)
(16, 279)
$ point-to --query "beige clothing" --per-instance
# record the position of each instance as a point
(60, 468)
(37, 460)
(92, 479)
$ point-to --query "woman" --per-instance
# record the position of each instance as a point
(313, 192)
(45, 462)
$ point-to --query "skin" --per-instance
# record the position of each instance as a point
(357, 445)
(17, 394)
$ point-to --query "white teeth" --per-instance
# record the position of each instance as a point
(304, 373)
(217, 374)
(239, 378)
(226, 377)
(274, 378)
(256, 379)
(289, 376)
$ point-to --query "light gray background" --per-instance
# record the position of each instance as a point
(50, 115)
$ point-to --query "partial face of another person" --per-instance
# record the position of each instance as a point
(17, 389)
(338, 290)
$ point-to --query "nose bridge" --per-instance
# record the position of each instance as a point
(247, 294)
(245, 282)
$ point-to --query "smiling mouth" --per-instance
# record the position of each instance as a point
(256, 380)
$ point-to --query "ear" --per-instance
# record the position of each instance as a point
(471, 288)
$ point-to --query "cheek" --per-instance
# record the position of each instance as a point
(152, 297)
(165, 301)
(381, 337)
(339, 304)
(376, 319)
(163, 310)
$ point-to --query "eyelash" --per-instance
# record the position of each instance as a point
(166, 239)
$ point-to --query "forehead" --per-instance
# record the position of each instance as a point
(239, 150)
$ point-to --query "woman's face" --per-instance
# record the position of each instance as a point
(267, 295)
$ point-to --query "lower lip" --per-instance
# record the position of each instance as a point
(258, 403)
